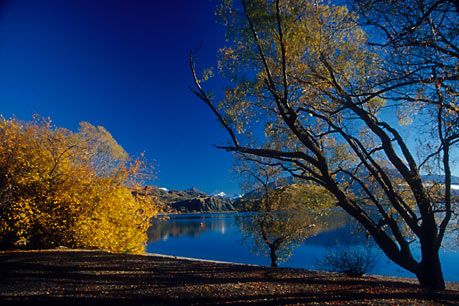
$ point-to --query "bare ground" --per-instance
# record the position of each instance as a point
(69, 277)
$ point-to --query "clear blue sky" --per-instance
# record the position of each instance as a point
(121, 64)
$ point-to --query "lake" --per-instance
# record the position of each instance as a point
(220, 237)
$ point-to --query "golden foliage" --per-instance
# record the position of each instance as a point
(59, 188)
(314, 34)
(286, 217)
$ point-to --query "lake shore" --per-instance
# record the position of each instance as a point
(78, 277)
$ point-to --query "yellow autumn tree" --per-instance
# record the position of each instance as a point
(286, 213)
(286, 217)
(60, 188)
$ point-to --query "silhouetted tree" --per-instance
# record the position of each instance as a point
(313, 90)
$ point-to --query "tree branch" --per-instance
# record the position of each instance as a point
(203, 96)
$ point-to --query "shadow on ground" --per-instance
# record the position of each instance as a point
(94, 277)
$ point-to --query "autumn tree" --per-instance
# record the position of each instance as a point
(285, 217)
(285, 213)
(60, 188)
(258, 176)
(310, 90)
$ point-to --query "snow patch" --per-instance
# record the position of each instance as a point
(220, 194)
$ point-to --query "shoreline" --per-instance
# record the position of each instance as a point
(72, 276)
(376, 276)
(452, 284)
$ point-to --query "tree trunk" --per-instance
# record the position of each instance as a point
(273, 257)
(430, 274)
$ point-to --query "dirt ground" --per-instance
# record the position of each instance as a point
(78, 277)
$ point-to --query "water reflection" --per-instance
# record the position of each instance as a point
(191, 225)
(221, 237)
(277, 234)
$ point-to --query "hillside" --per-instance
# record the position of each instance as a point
(241, 203)
(190, 200)
(193, 200)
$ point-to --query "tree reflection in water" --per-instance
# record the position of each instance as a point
(276, 234)
(284, 230)
(271, 234)
(220, 237)
(187, 225)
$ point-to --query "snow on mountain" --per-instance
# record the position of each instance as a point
(220, 194)
(227, 196)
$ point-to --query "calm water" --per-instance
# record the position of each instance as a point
(219, 237)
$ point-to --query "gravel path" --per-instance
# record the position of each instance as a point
(69, 277)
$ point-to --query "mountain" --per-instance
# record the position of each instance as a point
(260, 192)
(194, 200)
(241, 203)
(194, 192)
(207, 204)
(189, 200)
(220, 194)
(440, 178)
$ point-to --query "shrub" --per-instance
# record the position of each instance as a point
(61, 188)
(353, 262)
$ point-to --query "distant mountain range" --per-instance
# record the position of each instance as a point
(239, 203)
(189, 200)
(194, 200)
(440, 178)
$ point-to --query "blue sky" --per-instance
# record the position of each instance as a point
(121, 64)
(124, 65)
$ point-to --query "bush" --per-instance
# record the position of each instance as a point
(353, 262)
(73, 189)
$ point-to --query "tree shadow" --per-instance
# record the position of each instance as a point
(84, 277)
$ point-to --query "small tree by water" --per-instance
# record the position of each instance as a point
(282, 222)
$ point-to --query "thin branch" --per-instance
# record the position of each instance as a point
(57, 161)
(203, 96)
(281, 42)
